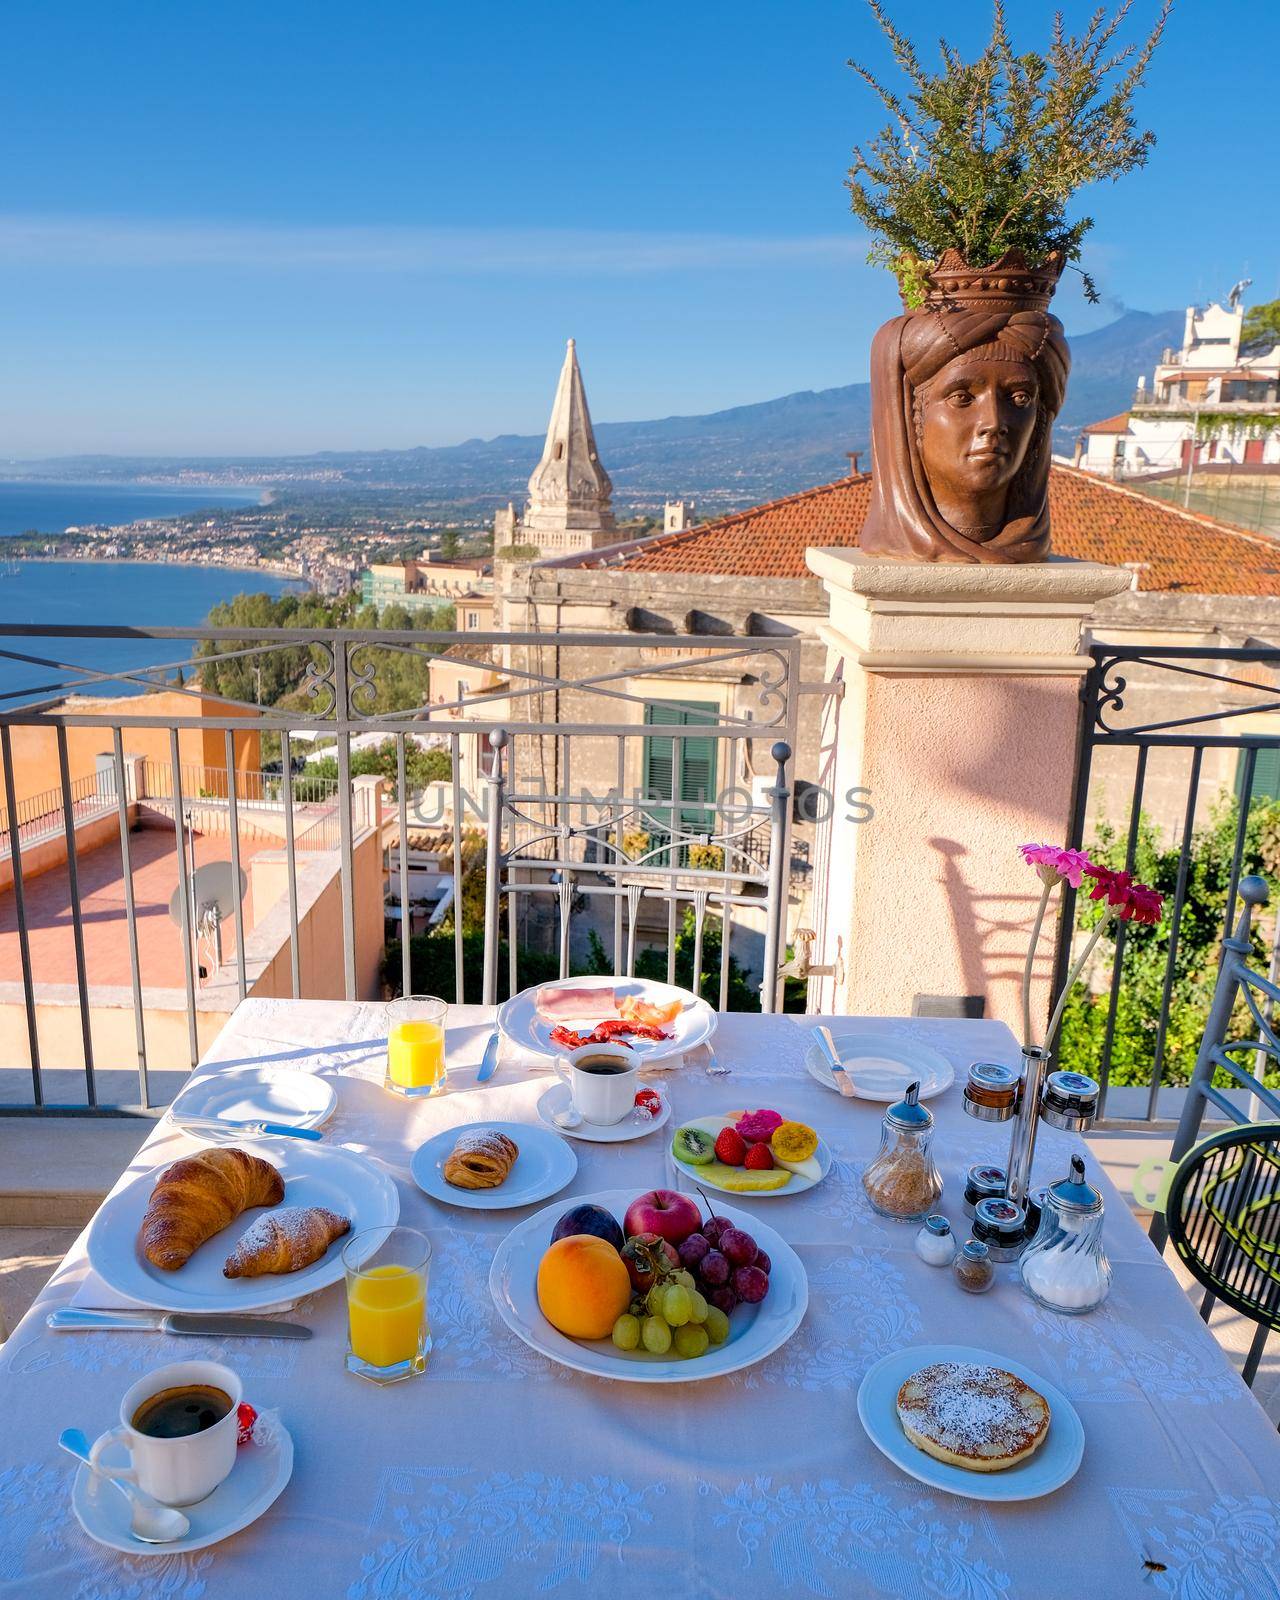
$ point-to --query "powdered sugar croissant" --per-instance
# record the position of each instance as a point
(285, 1241)
(200, 1195)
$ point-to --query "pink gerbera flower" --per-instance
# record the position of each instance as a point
(1056, 864)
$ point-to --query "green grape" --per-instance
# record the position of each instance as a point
(691, 1341)
(684, 1279)
(626, 1332)
(716, 1325)
(677, 1303)
(656, 1335)
(653, 1300)
(700, 1307)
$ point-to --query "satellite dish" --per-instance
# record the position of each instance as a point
(214, 895)
(212, 886)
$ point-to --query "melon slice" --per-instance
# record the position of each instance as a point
(808, 1168)
(741, 1180)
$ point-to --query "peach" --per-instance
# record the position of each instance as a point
(583, 1286)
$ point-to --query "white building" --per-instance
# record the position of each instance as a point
(1208, 405)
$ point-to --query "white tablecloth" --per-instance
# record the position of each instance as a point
(500, 1475)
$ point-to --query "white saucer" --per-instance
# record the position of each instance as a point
(543, 1167)
(558, 1098)
(880, 1066)
(256, 1480)
(1054, 1463)
(256, 1094)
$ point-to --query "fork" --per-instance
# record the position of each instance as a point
(713, 1067)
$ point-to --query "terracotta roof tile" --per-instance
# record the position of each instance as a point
(1118, 424)
(1093, 520)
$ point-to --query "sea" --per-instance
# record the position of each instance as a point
(105, 593)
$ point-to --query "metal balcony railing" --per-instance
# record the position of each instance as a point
(633, 790)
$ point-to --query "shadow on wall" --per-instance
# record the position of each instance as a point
(990, 939)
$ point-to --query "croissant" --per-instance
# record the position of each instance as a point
(480, 1160)
(197, 1197)
(285, 1241)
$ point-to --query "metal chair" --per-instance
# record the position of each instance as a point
(1223, 1216)
(1236, 980)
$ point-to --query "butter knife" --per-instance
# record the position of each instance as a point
(833, 1061)
(71, 1319)
(264, 1130)
(490, 1063)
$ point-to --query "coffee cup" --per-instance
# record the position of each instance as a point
(602, 1080)
(179, 1426)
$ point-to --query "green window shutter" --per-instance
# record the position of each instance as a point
(1266, 774)
(681, 770)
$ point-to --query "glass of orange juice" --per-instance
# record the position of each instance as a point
(415, 1045)
(388, 1334)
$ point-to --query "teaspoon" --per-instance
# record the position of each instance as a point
(149, 1521)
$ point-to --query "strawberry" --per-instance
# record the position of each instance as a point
(731, 1147)
(759, 1158)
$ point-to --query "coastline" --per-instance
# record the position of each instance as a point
(278, 569)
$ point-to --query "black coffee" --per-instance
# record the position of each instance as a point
(178, 1413)
(605, 1066)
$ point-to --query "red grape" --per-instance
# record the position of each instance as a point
(762, 1261)
(724, 1298)
(714, 1268)
(750, 1285)
(694, 1248)
(739, 1246)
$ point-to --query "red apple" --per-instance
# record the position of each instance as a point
(662, 1211)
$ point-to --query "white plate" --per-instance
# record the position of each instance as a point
(257, 1094)
(559, 1097)
(880, 1066)
(754, 1331)
(712, 1126)
(1053, 1464)
(254, 1484)
(314, 1175)
(519, 1020)
(543, 1167)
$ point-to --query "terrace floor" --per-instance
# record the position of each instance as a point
(155, 877)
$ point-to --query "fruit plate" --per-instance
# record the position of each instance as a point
(880, 1066)
(314, 1175)
(519, 1021)
(1054, 1463)
(543, 1167)
(796, 1184)
(754, 1331)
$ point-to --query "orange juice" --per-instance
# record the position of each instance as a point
(387, 1308)
(415, 1054)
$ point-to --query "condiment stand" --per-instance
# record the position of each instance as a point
(1066, 1100)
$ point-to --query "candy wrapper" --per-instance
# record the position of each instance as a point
(256, 1427)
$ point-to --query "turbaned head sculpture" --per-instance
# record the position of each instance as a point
(964, 392)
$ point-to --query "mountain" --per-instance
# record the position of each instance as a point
(724, 459)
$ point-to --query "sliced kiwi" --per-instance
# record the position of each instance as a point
(693, 1146)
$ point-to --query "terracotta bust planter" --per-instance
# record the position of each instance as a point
(964, 392)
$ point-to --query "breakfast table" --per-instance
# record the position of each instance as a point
(501, 1474)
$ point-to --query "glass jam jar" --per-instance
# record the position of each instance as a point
(980, 1183)
(1001, 1226)
(991, 1092)
(1069, 1100)
(901, 1180)
(1065, 1267)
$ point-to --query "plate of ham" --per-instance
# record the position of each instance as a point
(655, 1020)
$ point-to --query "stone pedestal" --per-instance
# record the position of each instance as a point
(956, 742)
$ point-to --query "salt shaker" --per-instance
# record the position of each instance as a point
(901, 1180)
(935, 1243)
(1065, 1267)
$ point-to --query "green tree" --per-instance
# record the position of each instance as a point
(450, 540)
(1140, 997)
(1260, 329)
(984, 156)
(421, 767)
(743, 994)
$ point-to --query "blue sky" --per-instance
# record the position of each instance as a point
(279, 226)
